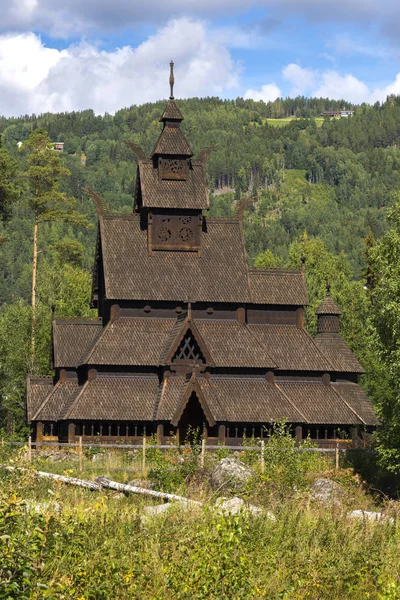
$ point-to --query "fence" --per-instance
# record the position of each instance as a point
(263, 448)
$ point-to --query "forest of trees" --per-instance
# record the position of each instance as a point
(326, 190)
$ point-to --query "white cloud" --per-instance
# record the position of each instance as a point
(83, 16)
(268, 93)
(347, 87)
(301, 79)
(34, 78)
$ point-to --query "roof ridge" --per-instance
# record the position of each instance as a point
(273, 364)
(45, 401)
(290, 402)
(348, 405)
(89, 351)
(71, 402)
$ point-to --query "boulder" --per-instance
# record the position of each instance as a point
(326, 491)
(369, 515)
(230, 472)
(235, 505)
(40, 507)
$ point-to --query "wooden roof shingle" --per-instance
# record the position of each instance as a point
(72, 338)
(338, 353)
(172, 141)
(56, 401)
(218, 275)
(113, 398)
(278, 287)
(190, 193)
(291, 348)
(37, 389)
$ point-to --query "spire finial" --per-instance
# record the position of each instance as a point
(328, 288)
(171, 79)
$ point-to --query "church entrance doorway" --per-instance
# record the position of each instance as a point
(192, 421)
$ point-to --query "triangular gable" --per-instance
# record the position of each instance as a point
(193, 386)
(187, 344)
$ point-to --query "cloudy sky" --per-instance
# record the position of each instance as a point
(61, 55)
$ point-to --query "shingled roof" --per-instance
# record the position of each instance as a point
(278, 286)
(338, 353)
(56, 400)
(252, 399)
(130, 341)
(171, 112)
(320, 403)
(190, 193)
(328, 307)
(219, 275)
(355, 396)
(37, 390)
(72, 338)
(113, 398)
(172, 141)
(291, 348)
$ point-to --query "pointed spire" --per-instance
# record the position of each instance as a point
(171, 79)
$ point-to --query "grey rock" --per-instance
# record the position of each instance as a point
(235, 505)
(102, 479)
(326, 491)
(158, 509)
(369, 515)
(40, 507)
(230, 472)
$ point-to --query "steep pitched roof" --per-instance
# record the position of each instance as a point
(172, 141)
(114, 398)
(355, 396)
(37, 390)
(171, 112)
(291, 348)
(248, 399)
(72, 338)
(233, 344)
(328, 307)
(219, 275)
(56, 400)
(338, 353)
(320, 403)
(130, 341)
(190, 193)
(278, 286)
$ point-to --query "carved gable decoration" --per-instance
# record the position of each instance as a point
(174, 232)
(189, 350)
(173, 168)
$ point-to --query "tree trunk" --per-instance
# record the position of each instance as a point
(34, 277)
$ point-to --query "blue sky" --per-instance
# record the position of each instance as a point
(77, 54)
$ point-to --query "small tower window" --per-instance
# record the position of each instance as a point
(172, 168)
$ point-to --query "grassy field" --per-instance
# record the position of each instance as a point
(287, 120)
(60, 542)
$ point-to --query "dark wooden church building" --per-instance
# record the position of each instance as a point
(188, 335)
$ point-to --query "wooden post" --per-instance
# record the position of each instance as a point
(203, 451)
(337, 457)
(30, 449)
(221, 434)
(71, 433)
(80, 454)
(39, 432)
(262, 457)
(160, 434)
(299, 434)
(144, 456)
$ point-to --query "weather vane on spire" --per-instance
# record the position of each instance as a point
(171, 79)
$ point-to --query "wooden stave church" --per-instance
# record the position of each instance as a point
(188, 335)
